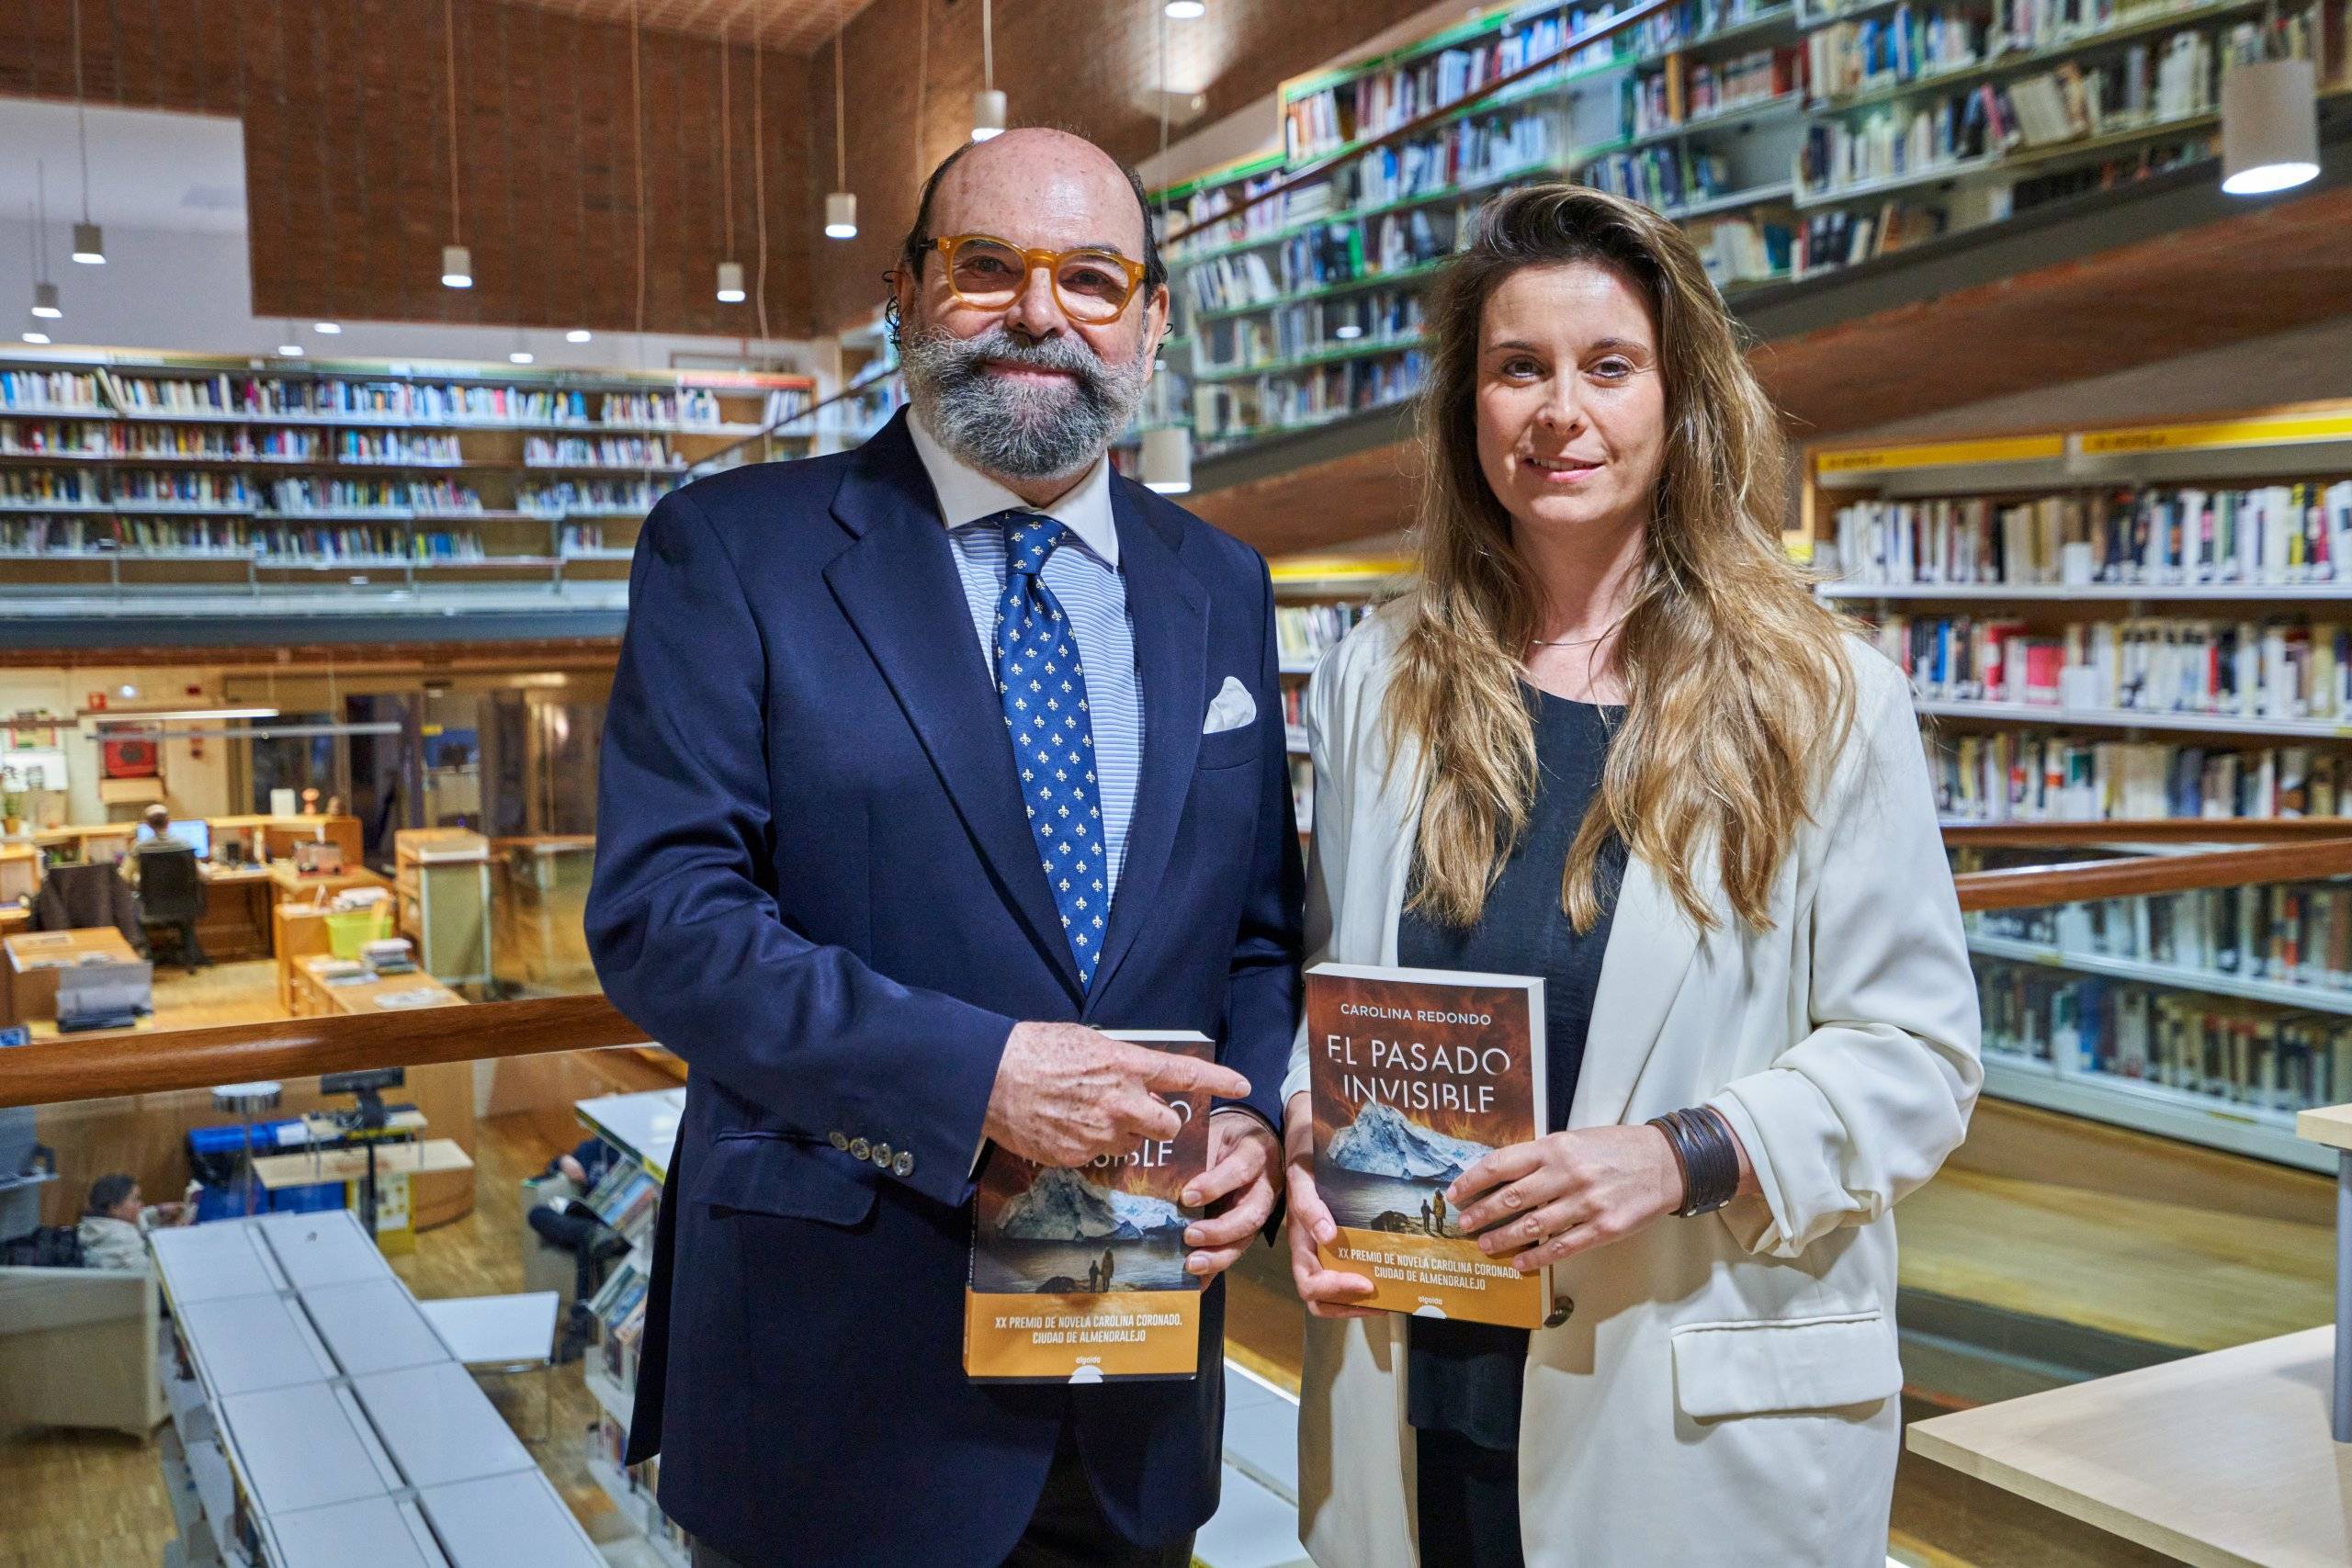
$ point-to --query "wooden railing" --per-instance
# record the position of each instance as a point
(166, 1060)
(288, 1048)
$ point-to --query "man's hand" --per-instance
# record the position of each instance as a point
(1237, 1190)
(1327, 1292)
(1065, 1094)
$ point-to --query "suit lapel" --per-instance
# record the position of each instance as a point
(1170, 609)
(899, 586)
(1651, 942)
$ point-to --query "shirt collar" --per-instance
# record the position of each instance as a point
(966, 496)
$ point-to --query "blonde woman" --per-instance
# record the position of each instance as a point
(1610, 739)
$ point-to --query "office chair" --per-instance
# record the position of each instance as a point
(171, 893)
(81, 897)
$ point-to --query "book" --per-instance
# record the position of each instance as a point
(1416, 1074)
(1077, 1275)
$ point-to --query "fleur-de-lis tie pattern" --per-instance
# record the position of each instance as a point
(1042, 683)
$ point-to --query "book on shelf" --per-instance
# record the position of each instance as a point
(2283, 934)
(2281, 668)
(1077, 1275)
(49, 390)
(1414, 1076)
(2237, 1053)
(2045, 777)
(2171, 535)
(1305, 633)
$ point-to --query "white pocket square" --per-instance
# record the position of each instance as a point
(1232, 709)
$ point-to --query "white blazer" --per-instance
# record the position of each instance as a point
(1725, 1387)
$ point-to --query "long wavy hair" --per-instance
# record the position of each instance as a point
(1737, 690)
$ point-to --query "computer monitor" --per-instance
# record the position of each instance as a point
(196, 833)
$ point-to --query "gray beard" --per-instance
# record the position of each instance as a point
(1022, 431)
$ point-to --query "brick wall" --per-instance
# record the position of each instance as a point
(346, 161)
(347, 136)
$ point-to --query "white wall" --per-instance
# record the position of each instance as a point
(195, 772)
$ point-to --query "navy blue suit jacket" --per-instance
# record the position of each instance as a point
(815, 881)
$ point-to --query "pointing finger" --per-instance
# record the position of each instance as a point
(1171, 1074)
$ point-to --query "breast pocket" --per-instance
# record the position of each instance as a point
(1229, 748)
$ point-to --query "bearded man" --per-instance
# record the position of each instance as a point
(887, 943)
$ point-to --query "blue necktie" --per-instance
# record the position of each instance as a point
(1042, 685)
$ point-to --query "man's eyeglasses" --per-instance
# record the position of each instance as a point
(985, 273)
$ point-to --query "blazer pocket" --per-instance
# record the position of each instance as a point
(762, 1173)
(1229, 748)
(1785, 1364)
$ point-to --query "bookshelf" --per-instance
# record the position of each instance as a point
(1305, 310)
(2121, 624)
(1317, 600)
(643, 1129)
(128, 475)
(1791, 141)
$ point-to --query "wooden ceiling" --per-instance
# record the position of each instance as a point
(2253, 273)
(793, 26)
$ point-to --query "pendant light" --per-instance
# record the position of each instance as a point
(1166, 443)
(988, 103)
(47, 306)
(291, 348)
(457, 261)
(2269, 121)
(326, 329)
(89, 240)
(730, 271)
(578, 335)
(522, 353)
(33, 333)
(840, 205)
(1185, 10)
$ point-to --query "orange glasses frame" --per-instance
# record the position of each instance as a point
(1030, 262)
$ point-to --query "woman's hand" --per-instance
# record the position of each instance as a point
(1327, 1293)
(1567, 1192)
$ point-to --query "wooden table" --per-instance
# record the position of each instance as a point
(237, 901)
(29, 962)
(389, 993)
(2222, 1459)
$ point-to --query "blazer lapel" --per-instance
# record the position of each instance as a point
(899, 586)
(1170, 609)
(1651, 942)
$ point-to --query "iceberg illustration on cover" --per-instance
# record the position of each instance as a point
(1078, 1275)
(1416, 1074)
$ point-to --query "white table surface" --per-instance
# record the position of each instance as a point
(373, 1325)
(508, 1520)
(439, 1424)
(644, 1125)
(243, 1344)
(500, 1330)
(327, 1247)
(374, 1532)
(305, 1447)
(202, 1263)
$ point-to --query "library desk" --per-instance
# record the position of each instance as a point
(2222, 1459)
(235, 924)
(404, 1172)
(30, 960)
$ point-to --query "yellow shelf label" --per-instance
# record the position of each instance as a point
(1940, 453)
(2286, 430)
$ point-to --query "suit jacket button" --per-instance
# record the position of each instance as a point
(1562, 1309)
(904, 1165)
(860, 1149)
(840, 1141)
(882, 1155)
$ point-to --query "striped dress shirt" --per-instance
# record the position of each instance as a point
(1084, 575)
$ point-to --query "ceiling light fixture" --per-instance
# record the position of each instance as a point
(167, 715)
(840, 205)
(456, 261)
(326, 329)
(2270, 125)
(522, 353)
(290, 348)
(1168, 459)
(1186, 10)
(1166, 440)
(35, 335)
(46, 304)
(89, 240)
(988, 103)
(730, 272)
(577, 334)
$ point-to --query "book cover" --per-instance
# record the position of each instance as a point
(1078, 1276)
(1416, 1074)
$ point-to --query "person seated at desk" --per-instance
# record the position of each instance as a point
(115, 1225)
(565, 1220)
(157, 820)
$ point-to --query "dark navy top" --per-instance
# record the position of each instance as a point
(1466, 1378)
